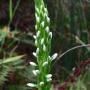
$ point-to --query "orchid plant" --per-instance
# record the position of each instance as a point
(43, 43)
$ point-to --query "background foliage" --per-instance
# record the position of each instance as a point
(70, 24)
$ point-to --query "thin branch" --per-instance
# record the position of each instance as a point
(76, 47)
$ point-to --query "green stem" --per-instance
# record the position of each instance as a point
(10, 9)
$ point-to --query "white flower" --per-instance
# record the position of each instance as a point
(41, 83)
(54, 56)
(42, 24)
(49, 79)
(73, 68)
(37, 10)
(34, 36)
(42, 41)
(38, 33)
(36, 42)
(45, 9)
(33, 64)
(47, 29)
(37, 51)
(49, 57)
(38, 19)
(48, 19)
(50, 34)
(48, 76)
(36, 27)
(45, 63)
(31, 85)
(44, 48)
(36, 72)
(35, 14)
(34, 54)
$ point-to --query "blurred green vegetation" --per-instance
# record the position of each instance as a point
(70, 24)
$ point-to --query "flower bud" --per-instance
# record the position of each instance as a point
(44, 48)
(47, 29)
(48, 19)
(45, 63)
(41, 83)
(38, 33)
(31, 85)
(36, 72)
(37, 10)
(50, 34)
(54, 56)
(33, 64)
(37, 19)
(34, 54)
(34, 36)
(36, 27)
(42, 41)
(49, 76)
(45, 9)
(37, 51)
(49, 79)
(43, 24)
(36, 42)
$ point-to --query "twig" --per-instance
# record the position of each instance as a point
(76, 47)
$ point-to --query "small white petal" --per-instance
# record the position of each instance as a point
(37, 9)
(36, 27)
(45, 9)
(47, 29)
(31, 85)
(36, 72)
(42, 41)
(44, 47)
(38, 33)
(48, 76)
(37, 51)
(35, 14)
(49, 57)
(50, 34)
(34, 54)
(36, 42)
(41, 83)
(54, 56)
(48, 19)
(37, 17)
(45, 63)
(42, 24)
(33, 63)
(34, 36)
(73, 68)
(49, 79)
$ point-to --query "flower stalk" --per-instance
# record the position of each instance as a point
(43, 43)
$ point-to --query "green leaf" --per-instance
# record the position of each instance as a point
(11, 59)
